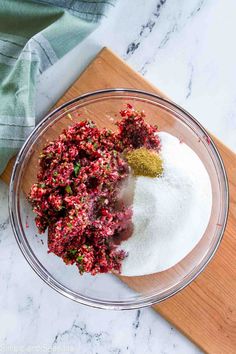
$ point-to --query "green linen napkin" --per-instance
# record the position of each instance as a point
(34, 34)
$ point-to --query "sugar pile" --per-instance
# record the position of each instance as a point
(170, 214)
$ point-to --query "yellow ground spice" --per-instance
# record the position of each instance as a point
(145, 162)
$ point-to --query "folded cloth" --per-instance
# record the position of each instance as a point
(34, 34)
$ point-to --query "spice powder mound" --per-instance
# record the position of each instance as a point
(76, 194)
(145, 162)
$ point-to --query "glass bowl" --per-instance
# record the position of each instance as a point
(109, 291)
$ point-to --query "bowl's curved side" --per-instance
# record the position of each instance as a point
(21, 166)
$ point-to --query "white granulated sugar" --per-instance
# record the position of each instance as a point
(170, 214)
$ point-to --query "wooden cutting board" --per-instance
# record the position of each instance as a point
(205, 311)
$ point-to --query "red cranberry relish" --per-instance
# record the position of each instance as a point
(76, 196)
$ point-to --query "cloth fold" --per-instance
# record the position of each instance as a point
(34, 34)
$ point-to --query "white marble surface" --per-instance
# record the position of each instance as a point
(186, 48)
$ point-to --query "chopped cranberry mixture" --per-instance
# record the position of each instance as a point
(76, 196)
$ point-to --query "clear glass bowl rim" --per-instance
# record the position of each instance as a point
(37, 266)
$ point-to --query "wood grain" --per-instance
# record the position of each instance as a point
(205, 311)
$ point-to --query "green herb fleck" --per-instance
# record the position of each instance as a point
(42, 185)
(55, 173)
(68, 189)
(79, 259)
(69, 225)
(77, 168)
(72, 252)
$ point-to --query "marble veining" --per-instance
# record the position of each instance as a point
(176, 20)
(190, 81)
(187, 49)
(145, 29)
